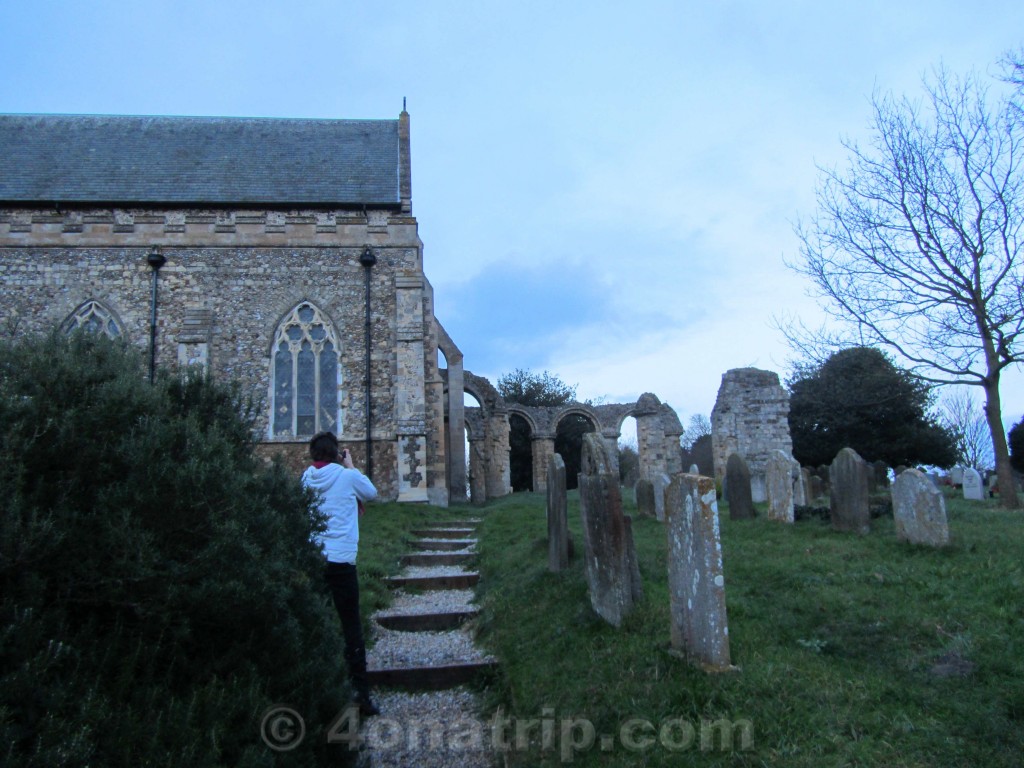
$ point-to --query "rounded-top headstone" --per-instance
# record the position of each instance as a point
(737, 488)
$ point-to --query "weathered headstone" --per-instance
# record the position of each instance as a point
(645, 498)
(973, 488)
(779, 484)
(919, 510)
(817, 488)
(558, 527)
(881, 474)
(848, 499)
(737, 488)
(956, 476)
(660, 482)
(799, 489)
(694, 469)
(805, 480)
(610, 557)
(636, 583)
(699, 624)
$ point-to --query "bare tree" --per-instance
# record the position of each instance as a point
(699, 426)
(966, 422)
(916, 245)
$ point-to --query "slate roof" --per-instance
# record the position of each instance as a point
(198, 160)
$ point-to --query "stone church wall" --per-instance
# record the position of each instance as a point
(229, 279)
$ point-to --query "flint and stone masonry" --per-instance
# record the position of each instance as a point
(265, 225)
(751, 418)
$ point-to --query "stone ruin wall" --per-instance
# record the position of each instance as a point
(751, 418)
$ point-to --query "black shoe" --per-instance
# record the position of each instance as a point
(366, 706)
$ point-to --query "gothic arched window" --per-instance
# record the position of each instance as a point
(92, 316)
(305, 375)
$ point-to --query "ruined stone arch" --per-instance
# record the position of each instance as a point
(488, 430)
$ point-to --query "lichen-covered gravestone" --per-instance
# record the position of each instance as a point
(973, 488)
(660, 482)
(645, 498)
(610, 557)
(848, 499)
(779, 485)
(558, 527)
(919, 510)
(699, 624)
(737, 488)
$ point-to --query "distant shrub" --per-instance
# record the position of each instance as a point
(158, 586)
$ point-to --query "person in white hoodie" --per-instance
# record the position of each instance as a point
(341, 489)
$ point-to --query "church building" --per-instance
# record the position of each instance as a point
(282, 253)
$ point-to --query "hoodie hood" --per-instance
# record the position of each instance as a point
(324, 478)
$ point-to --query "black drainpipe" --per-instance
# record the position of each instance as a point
(155, 260)
(367, 259)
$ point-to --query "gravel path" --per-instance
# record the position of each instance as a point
(439, 601)
(436, 729)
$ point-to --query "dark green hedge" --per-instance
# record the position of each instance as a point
(158, 586)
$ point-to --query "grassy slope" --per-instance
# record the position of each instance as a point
(835, 634)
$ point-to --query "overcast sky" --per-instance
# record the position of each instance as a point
(605, 191)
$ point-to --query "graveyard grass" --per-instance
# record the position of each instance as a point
(852, 650)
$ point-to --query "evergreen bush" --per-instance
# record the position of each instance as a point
(159, 588)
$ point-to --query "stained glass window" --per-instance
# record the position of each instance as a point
(92, 316)
(306, 376)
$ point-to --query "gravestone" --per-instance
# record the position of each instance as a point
(848, 498)
(799, 489)
(699, 624)
(919, 510)
(973, 488)
(805, 480)
(817, 488)
(880, 470)
(660, 482)
(610, 557)
(645, 498)
(558, 527)
(694, 469)
(779, 485)
(737, 488)
(956, 476)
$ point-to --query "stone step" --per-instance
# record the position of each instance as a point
(437, 559)
(440, 544)
(451, 581)
(445, 533)
(431, 678)
(453, 524)
(425, 622)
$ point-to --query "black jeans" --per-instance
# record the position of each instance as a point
(343, 582)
